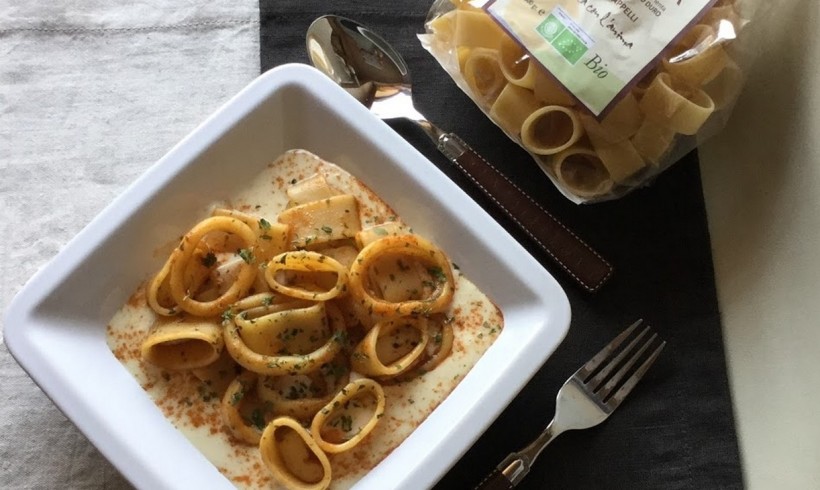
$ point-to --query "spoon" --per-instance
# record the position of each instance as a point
(365, 65)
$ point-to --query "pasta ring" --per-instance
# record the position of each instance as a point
(676, 105)
(653, 141)
(412, 246)
(152, 292)
(366, 360)
(438, 348)
(512, 107)
(306, 261)
(475, 29)
(483, 75)
(706, 60)
(277, 365)
(550, 130)
(302, 395)
(581, 171)
(546, 89)
(230, 408)
(515, 64)
(183, 344)
(352, 391)
(622, 121)
(272, 238)
(294, 458)
(184, 253)
(725, 87)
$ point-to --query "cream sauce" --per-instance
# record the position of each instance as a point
(193, 408)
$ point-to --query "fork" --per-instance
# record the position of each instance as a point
(585, 400)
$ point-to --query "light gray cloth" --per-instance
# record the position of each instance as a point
(92, 92)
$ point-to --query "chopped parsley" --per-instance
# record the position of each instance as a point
(246, 254)
(237, 397)
(227, 315)
(437, 274)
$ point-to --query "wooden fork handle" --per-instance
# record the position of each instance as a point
(567, 250)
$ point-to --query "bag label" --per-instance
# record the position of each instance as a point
(597, 49)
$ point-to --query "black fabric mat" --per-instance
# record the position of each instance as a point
(677, 429)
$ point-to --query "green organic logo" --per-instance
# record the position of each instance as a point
(568, 45)
(550, 28)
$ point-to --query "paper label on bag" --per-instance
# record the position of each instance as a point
(597, 49)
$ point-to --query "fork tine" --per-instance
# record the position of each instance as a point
(630, 383)
(599, 378)
(604, 392)
(591, 365)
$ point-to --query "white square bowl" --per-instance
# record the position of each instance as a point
(55, 326)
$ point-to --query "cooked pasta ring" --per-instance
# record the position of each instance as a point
(293, 456)
(306, 261)
(366, 360)
(186, 343)
(195, 274)
(184, 253)
(438, 348)
(152, 291)
(302, 395)
(353, 390)
(412, 246)
(230, 408)
(550, 130)
(276, 365)
(272, 238)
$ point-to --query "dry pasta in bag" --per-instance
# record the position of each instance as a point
(604, 94)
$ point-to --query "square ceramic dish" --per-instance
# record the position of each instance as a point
(55, 327)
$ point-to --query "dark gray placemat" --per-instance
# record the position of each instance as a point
(677, 429)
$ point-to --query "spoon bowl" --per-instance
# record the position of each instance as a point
(367, 66)
(364, 64)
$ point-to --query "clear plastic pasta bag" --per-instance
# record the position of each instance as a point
(604, 94)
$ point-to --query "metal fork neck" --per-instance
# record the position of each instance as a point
(516, 466)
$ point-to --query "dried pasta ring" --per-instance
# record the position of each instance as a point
(550, 130)
(581, 171)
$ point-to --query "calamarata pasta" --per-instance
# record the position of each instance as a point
(593, 150)
(300, 331)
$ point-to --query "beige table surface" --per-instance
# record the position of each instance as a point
(73, 74)
(761, 179)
